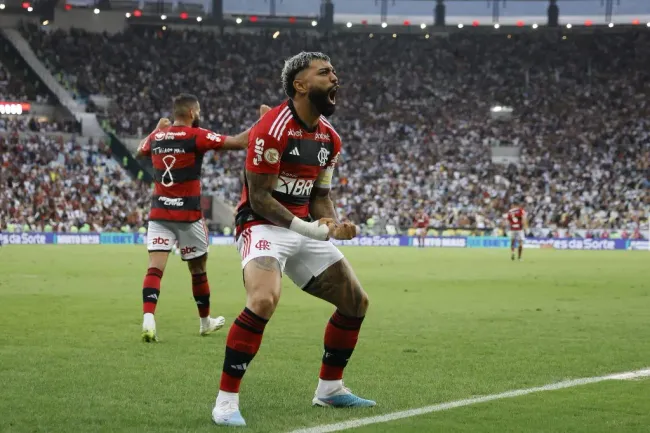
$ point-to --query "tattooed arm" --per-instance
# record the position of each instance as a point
(321, 204)
(260, 189)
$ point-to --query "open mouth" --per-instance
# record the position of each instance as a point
(332, 95)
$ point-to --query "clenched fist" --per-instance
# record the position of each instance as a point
(343, 231)
(164, 123)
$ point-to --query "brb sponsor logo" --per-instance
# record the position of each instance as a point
(187, 250)
(263, 245)
(292, 186)
(160, 241)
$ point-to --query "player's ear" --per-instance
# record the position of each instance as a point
(300, 85)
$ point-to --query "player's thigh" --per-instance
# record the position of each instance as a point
(161, 236)
(322, 271)
(160, 240)
(192, 240)
(264, 250)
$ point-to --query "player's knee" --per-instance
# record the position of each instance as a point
(158, 260)
(198, 265)
(363, 303)
(263, 304)
(356, 304)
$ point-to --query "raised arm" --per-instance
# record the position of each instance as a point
(240, 141)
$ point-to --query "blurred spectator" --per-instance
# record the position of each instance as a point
(49, 182)
(414, 115)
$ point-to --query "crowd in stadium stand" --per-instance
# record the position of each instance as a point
(37, 124)
(414, 114)
(49, 184)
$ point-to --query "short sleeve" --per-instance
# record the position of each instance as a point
(264, 152)
(207, 140)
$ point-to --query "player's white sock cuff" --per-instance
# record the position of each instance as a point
(227, 396)
(328, 387)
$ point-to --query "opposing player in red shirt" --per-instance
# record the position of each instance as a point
(518, 224)
(176, 152)
(421, 223)
(284, 220)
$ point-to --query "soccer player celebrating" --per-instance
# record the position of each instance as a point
(284, 220)
(176, 151)
(518, 224)
(421, 223)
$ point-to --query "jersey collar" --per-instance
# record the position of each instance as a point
(297, 118)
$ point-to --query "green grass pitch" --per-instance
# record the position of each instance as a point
(443, 325)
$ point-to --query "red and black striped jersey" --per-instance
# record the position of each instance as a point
(303, 158)
(177, 155)
(516, 218)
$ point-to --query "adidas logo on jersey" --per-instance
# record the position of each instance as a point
(295, 152)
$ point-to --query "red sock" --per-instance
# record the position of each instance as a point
(201, 292)
(341, 335)
(243, 342)
(151, 290)
(520, 250)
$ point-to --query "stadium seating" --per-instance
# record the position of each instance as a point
(414, 114)
(53, 185)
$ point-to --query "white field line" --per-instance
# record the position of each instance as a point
(629, 375)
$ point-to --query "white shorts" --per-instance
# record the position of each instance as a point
(517, 235)
(192, 237)
(419, 231)
(300, 257)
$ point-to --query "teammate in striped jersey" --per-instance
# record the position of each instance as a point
(176, 151)
(518, 222)
(284, 220)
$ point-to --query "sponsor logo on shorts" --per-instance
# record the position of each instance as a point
(187, 250)
(263, 245)
(160, 241)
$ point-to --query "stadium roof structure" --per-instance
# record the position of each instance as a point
(398, 16)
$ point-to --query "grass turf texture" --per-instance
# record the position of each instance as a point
(443, 325)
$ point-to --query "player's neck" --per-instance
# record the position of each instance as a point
(181, 122)
(306, 112)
